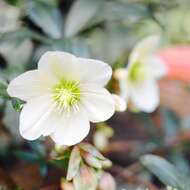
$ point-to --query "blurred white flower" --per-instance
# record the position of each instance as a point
(9, 17)
(120, 103)
(63, 95)
(138, 82)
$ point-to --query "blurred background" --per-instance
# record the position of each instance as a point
(105, 30)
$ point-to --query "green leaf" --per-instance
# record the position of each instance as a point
(38, 147)
(50, 2)
(43, 169)
(14, 2)
(17, 104)
(61, 164)
(3, 91)
(80, 15)
(171, 122)
(180, 162)
(22, 34)
(11, 121)
(47, 17)
(76, 46)
(166, 172)
(28, 156)
(74, 163)
(111, 43)
(125, 12)
(19, 35)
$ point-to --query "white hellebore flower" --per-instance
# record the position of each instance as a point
(62, 96)
(138, 82)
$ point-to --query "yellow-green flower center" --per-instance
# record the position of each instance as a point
(137, 72)
(66, 94)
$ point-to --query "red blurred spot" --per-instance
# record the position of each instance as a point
(178, 61)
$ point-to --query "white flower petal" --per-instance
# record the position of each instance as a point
(71, 129)
(94, 71)
(124, 89)
(120, 103)
(35, 118)
(98, 103)
(122, 76)
(145, 96)
(157, 67)
(67, 66)
(61, 64)
(50, 57)
(144, 48)
(29, 85)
